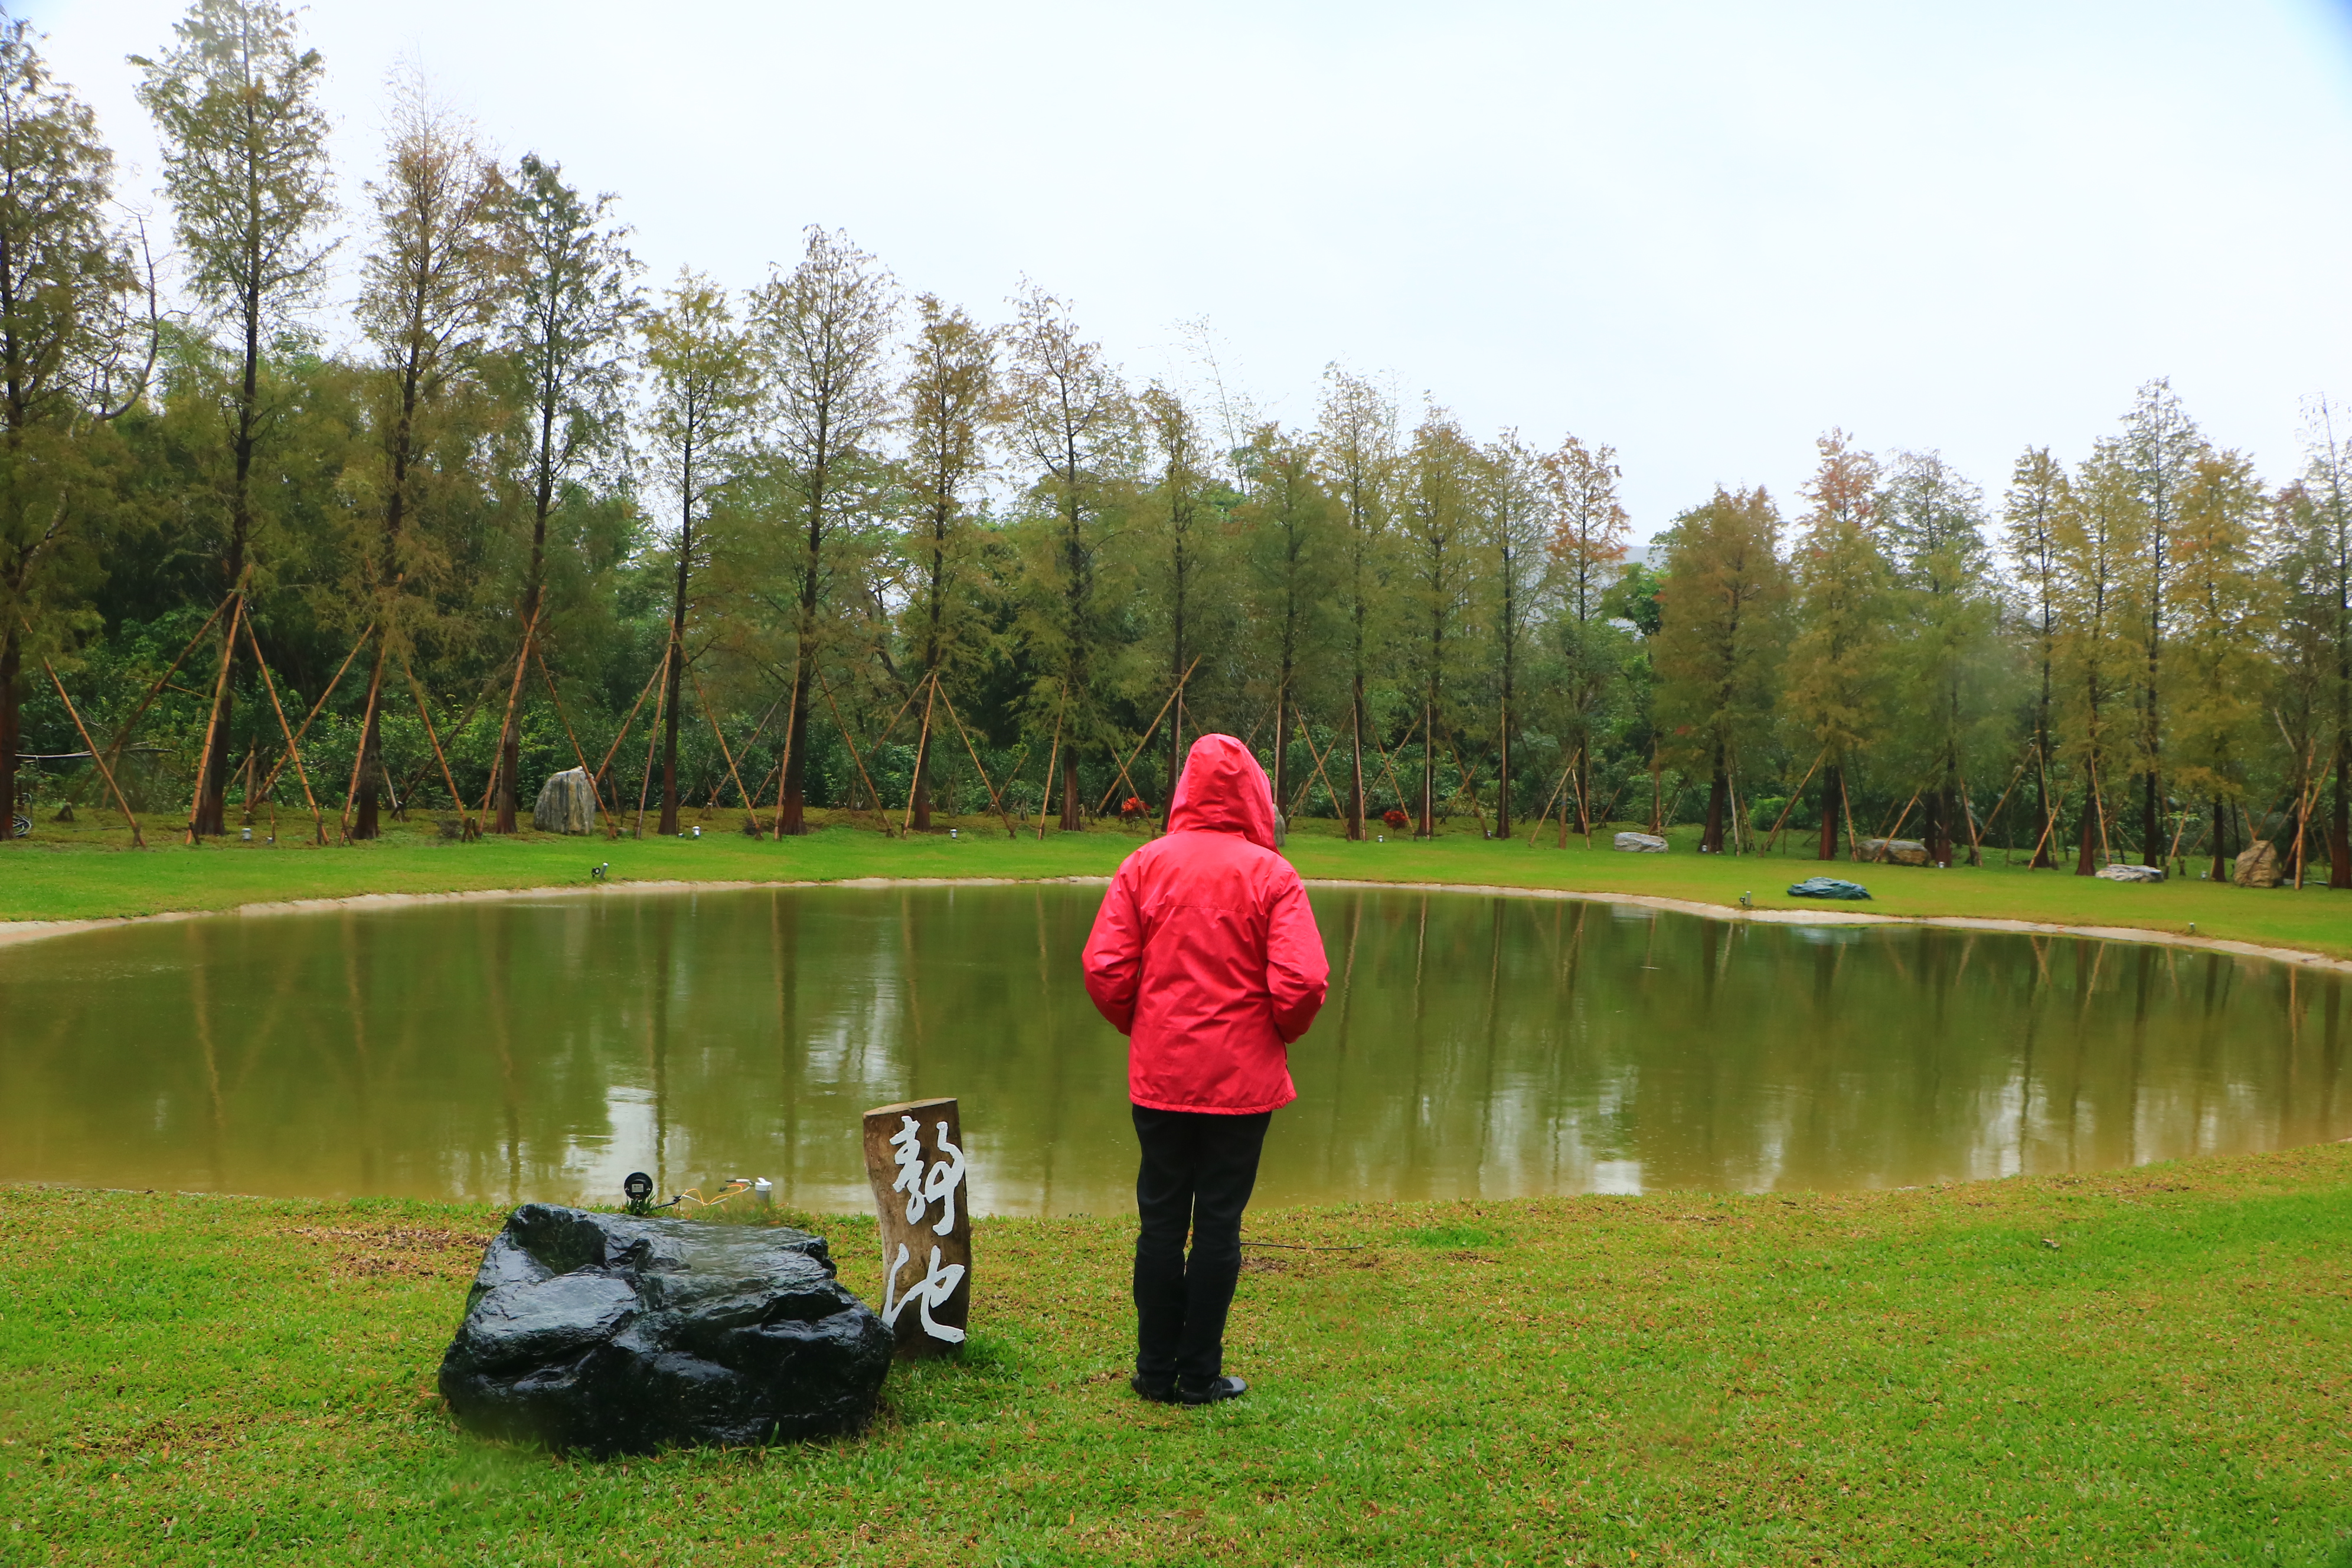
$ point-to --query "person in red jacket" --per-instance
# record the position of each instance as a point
(1205, 955)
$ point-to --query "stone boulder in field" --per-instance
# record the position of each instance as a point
(1640, 844)
(2258, 865)
(2121, 872)
(616, 1335)
(1894, 851)
(567, 804)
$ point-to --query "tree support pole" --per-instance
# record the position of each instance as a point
(212, 724)
(653, 737)
(579, 755)
(995, 798)
(1772, 840)
(1046, 800)
(137, 839)
(416, 694)
(728, 756)
(1148, 734)
(922, 748)
(875, 794)
(1557, 791)
(308, 719)
(293, 753)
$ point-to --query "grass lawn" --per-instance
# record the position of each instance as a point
(2153, 1366)
(82, 871)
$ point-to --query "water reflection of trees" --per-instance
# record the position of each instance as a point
(1472, 1046)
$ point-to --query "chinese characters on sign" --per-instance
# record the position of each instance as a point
(914, 1158)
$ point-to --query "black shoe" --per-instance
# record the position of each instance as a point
(1196, 1391)
(1159, 1390)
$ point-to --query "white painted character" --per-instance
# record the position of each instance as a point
(908, 1141)
(931, 1290)
(940, 1184)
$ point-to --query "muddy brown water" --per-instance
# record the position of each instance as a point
(1474, 1047)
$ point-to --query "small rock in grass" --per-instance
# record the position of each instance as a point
(1640, 844)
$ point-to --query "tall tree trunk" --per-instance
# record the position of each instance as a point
(2086, 862)
(1931, 827)
(1070, 809)
(2340, 826)
(2220, 842)
(1833, 784)
(1282, 740)
(12, 670)
(1356, 760)
(795, 817)
(1718, 794)
(668, 826)
(366, 820)
(1503, 762)
(1427, 826)
(2151, 824)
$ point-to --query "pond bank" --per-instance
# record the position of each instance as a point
(2112, 1368)
(14, 932)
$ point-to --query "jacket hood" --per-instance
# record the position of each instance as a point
(1225, 790)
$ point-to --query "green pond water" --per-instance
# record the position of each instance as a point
(1472, 1046)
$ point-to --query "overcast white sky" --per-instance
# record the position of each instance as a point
(1701, 233)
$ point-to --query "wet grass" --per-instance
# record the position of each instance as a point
(82, 871)
(2145, 1367)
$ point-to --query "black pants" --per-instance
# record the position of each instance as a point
(1196, 1176)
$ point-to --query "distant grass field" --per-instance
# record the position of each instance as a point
(2151, 1366)
(81, 871)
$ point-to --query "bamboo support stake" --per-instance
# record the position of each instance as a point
(652, 733)
(872, 793)
(416, 694)
(612, 830)
(1845, 805)
(2014, 780)
(1300, 715)
(1394, 788)
(1045, 798)
(1773, 841)
(784, 759)
(114, 748)
(1557, 791)
(359, 753)
(922, 745)
(212, 723)
(137, 837)
(995, 798)
(514, 697)
(2049, 821)
(293, 752)
(312, 717)
(727, 755)
(626, 725)
(1155, 725)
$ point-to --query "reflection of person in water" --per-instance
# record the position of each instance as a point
(1204, 954)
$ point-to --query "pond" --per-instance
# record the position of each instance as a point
(1474, 1047)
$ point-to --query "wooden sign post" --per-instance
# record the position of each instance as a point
(914, 1158)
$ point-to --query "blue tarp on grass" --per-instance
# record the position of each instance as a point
(1827, 887)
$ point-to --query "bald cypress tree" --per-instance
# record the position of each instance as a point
(235, 103)
(1720, 641)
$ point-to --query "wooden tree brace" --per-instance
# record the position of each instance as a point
(293, 753)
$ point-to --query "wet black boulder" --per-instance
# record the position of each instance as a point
(615, 1335)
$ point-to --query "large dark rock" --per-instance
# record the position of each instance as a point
(611, 1335)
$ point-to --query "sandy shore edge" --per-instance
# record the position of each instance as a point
(13, 933)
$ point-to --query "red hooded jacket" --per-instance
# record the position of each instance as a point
(1204, 953)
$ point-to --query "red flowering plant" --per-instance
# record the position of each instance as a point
(1133, 807)
(1395, 816)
